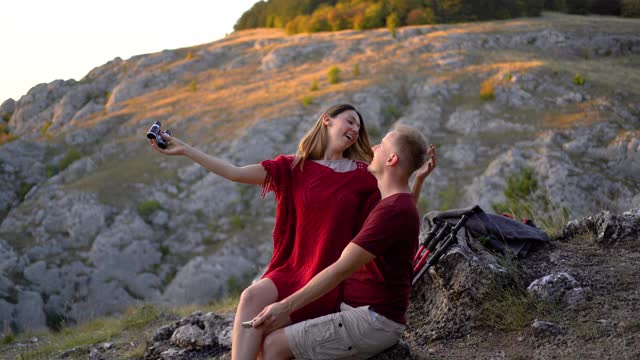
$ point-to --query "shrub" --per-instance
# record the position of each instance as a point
(23, 190)
(524, 199)
(45, 127)
(6, 117)
(193, 86)
(392, 23)
(333, 75)
(307, 100)
(356, 69)
(6, 138)
(8, 338)
(393, 112)
(236, 222)
(578, 80)
(52, 170)
(139, 317)
(147, 207)
(487, 90)
(72, 155)
(55, 321)
(420, 16)
(314, 85)
(164, 251)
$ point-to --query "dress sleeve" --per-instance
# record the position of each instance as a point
(278, 174)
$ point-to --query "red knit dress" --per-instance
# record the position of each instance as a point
(319, 211)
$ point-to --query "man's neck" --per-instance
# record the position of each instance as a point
(391, 185)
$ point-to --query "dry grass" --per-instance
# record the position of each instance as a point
(581, 114)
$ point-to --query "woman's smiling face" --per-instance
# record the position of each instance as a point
(343, 129)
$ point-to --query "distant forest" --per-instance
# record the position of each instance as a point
(314, 15)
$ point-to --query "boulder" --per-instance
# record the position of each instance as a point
(446, 301)
(559, 288)
(29, 311)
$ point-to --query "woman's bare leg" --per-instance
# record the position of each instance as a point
(246, 342)
(276, 346)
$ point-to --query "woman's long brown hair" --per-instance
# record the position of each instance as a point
(314, 143)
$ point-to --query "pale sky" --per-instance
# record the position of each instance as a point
(45, 40)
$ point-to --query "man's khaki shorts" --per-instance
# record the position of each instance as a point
(352, 333)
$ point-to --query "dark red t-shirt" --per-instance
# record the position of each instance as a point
(391, 233)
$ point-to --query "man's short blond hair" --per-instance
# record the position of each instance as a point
(412, 146)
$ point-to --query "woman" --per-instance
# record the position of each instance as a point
(324, 194)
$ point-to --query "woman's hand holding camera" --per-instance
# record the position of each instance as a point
(175, 146)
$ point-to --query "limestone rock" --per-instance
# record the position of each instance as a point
(545, 328)
(559, 288)
(29, 311)
(7, 109)
(444, 301)
(606, 227)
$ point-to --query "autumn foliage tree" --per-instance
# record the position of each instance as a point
(315, 15)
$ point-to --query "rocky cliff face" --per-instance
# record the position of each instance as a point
(93, 220)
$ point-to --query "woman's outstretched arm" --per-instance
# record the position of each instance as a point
(250, 174)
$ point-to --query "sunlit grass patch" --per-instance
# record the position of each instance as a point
(487, 90)
(225, 305)
(92, 332)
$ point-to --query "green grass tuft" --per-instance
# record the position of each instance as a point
(148, 207)
(8, 338)
(307, 100)
(23, 190)
(524, 199)
(72, 155)
(578, 80)
(333, 75)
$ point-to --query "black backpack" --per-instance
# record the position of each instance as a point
(499, 232)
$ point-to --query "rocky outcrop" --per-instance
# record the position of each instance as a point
(208, 336)
(446, 301)
(606, 228)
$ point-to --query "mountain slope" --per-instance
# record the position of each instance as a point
(94, 220)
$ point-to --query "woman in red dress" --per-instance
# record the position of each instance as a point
(323, 192)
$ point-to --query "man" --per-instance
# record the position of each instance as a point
(376, 267)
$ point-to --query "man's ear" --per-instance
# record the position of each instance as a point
(392, 160)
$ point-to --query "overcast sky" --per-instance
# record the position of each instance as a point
(45, 40)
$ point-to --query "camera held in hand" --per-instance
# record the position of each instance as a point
(154, 133)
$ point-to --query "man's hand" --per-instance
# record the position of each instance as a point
(272, 317)
(429, 165)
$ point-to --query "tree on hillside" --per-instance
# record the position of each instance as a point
(630, 8)
(420, 16)
(374, 16)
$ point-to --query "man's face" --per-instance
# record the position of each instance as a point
(381, 153)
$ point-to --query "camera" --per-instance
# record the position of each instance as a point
(154, 133)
